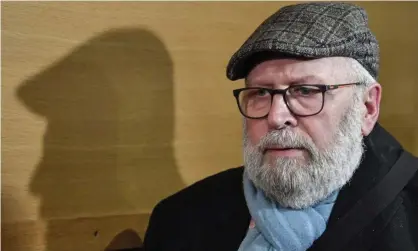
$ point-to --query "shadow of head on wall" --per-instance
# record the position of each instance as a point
(107, 148)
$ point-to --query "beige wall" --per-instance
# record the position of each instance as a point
(109, 107)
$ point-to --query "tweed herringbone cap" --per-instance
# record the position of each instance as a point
(310, 30)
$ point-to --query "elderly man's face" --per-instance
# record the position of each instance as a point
(298, 161)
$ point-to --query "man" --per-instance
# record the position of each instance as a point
(319, 172)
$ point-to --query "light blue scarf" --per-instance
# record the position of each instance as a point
(281, 229)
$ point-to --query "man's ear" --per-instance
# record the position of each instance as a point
(371, 101)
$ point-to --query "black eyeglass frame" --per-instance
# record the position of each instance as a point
(272, 92)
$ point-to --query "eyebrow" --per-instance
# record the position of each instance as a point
(302, 80)
(307, 79)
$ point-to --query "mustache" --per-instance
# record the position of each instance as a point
(285, 139)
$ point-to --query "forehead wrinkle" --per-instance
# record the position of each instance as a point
(266, 73)
(332, 70)
(315, 70)
(276, 72)
(336, 70)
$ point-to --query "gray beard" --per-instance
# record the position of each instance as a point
(292, 182)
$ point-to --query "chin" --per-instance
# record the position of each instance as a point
(274, 162)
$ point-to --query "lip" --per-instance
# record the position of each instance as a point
(284, 151)
(279, 148)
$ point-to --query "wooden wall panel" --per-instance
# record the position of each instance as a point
(108, 107)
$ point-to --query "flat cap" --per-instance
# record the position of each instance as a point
(309, 30)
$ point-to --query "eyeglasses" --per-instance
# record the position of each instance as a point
(301, 100)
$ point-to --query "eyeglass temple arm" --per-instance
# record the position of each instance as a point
(333, 87)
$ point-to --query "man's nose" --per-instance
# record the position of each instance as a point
(280, 116)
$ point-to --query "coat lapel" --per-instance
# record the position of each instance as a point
(381, 152)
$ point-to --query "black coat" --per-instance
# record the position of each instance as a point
(212, 213)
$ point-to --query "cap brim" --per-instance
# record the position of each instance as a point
(244, 63)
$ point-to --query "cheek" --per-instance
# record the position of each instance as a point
(256, 129)
(319, 129)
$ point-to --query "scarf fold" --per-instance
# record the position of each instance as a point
(282, 229)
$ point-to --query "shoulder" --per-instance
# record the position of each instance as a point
(193, 212)
(216, 187)
(207, 196)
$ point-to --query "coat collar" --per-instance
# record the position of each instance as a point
(381, 152)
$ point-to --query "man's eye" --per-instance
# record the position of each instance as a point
(262, 92)
(305, 90)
